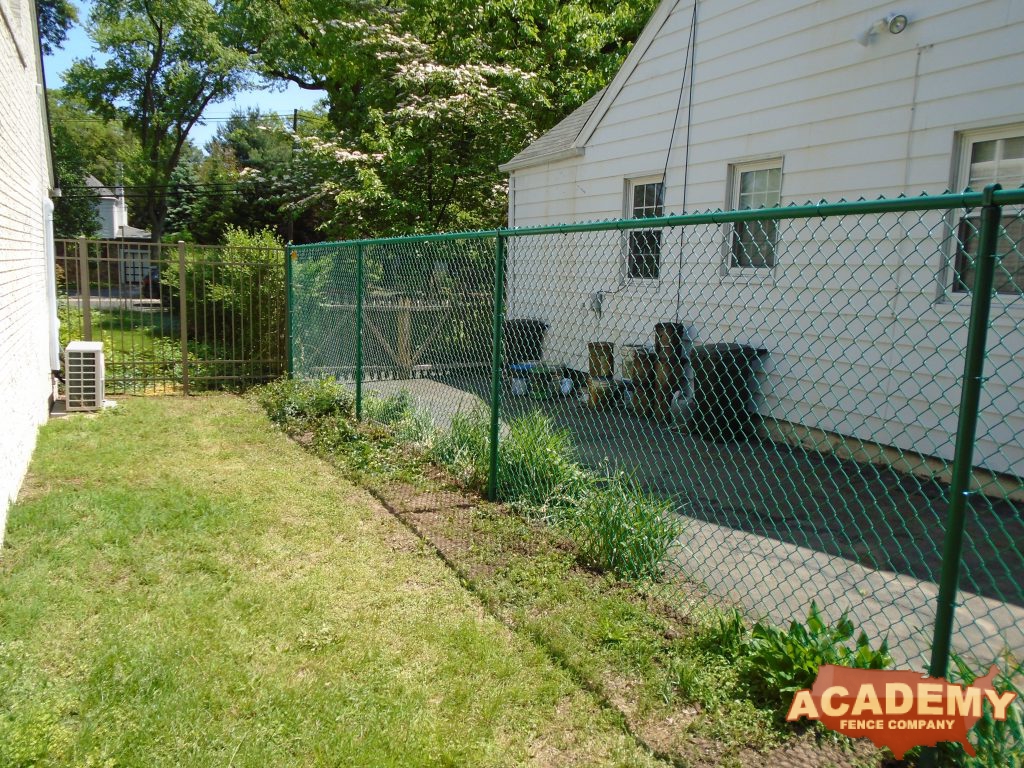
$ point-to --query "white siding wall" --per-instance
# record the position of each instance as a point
(106, 211)
(860, 344)
(24, 327)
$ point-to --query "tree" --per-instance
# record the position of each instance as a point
(55, 18)
(168, 60)
(426, 98)
(86, 144)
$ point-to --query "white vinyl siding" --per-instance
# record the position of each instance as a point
(787, 79)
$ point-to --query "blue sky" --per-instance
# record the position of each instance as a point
(78, 46)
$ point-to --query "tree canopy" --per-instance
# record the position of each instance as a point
(423, 99)
(168, 60)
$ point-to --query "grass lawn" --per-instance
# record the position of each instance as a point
(182, 585)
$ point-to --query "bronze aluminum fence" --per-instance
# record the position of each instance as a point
(175, 317)
(829, 398)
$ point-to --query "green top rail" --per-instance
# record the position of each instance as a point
(993, 194)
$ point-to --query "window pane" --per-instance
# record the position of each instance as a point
(775, 180)
(983, 151)
(1009, 275)
(746, 182)
(753, 244)
(638, 198)
(1013, 148)
(644, 254)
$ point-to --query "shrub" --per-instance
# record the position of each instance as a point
(624, 530)
(777, 663)
(286, 400)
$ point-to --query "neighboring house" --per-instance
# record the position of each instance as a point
(28, 317)
(133, 252)
(727, 104)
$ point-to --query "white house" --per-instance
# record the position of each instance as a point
(726, 104)
(133, 251)
(28, 318)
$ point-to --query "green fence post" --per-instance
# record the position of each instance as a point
(359, 332)
(499, 316)
(967, 424)
(288, 310)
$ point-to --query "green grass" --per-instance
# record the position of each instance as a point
(182, 585)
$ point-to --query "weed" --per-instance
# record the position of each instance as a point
(624, 530)
(776, 663)
(996, 743)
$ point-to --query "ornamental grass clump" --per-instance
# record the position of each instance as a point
(623, 530)
(463, 449)
(537, 466)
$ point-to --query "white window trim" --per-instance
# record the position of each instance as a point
(962, 142)
(627, 212)
(732, 193)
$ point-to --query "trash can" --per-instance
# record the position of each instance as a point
(723, 387)
(672, 343)
(524, 340)
(650, 399)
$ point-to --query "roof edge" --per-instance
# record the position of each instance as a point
(550, 157)
(647, 36)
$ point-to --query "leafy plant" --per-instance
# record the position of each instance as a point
(626, 531)
(726, 634)
(388, 410)
(996, 743)
(776, 662)
(536, 464)
(463, 449)
(285, 400)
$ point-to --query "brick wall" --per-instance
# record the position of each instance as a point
(25, 383)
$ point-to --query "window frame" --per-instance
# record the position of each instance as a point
(735, 172)
(630, 184)
(954, 287)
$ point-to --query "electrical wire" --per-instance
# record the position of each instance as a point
(691, 53)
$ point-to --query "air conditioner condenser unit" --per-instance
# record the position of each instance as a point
(83, 374)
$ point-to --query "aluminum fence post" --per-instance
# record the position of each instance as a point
(496, 359)
(966, 429)
(289, 355)
(182, 317)
(84, 291)
(359, 332)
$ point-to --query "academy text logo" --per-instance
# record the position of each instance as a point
(898, 710)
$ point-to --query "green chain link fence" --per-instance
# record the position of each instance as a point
(822, 403)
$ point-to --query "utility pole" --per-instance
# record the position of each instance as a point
(295, 137)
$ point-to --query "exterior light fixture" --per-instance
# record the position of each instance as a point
(896, 22)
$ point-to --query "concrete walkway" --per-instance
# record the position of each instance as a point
(773, 528)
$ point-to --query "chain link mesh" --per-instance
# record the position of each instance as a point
(783, 390)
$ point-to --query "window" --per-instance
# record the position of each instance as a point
(755, 185)
(989, 157)
(644, 256)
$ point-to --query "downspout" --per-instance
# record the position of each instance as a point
(51, 286)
